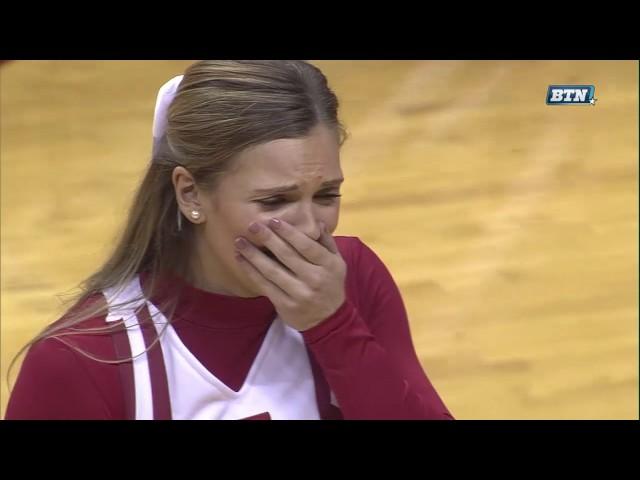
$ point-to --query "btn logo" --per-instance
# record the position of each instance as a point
(571, 95)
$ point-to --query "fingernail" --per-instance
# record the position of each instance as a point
(274, 223)
(241, 243)
(254, 227)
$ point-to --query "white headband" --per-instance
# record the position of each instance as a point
(165, 97)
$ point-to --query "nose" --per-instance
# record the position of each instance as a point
(305, 221)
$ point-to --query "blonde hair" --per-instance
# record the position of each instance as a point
(220, 108)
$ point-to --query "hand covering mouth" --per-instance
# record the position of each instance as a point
(269, 253)
(272, 256)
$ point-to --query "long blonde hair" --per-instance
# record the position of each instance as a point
(220, 108)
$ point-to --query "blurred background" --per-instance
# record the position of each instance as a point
(510, 226)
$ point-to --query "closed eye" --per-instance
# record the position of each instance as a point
(277, 201)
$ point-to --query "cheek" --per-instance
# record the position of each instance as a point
(221, 233)
(239, 226)
(330, 218)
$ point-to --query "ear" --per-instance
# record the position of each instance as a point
(187, 195)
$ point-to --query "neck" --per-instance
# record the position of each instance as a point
(211, 276)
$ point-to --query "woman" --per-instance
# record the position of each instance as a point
(227, 297)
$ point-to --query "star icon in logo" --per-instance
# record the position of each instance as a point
(593, 101)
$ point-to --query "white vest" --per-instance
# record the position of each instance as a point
(279, 381)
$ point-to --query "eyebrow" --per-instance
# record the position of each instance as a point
(291, 188)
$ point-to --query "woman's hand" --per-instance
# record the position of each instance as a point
(311, 287)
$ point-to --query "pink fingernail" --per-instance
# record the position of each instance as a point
(274, 223)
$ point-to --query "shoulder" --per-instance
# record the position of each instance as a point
(82, 329)
(83, 319)
(65, 368)
(361, 259)
(369, 281)
(56, 382)
(355, 251)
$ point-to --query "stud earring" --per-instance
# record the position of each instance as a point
(195, 214)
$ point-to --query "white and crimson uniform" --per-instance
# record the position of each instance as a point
(224, 357)
(279, 384)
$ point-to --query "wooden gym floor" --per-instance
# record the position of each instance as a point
(510, 226)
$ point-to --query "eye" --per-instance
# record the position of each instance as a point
(275, 202)
(329, 197)
(272, 202)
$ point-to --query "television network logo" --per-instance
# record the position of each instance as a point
(571, 95)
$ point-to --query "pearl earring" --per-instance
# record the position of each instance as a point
(195, 214)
